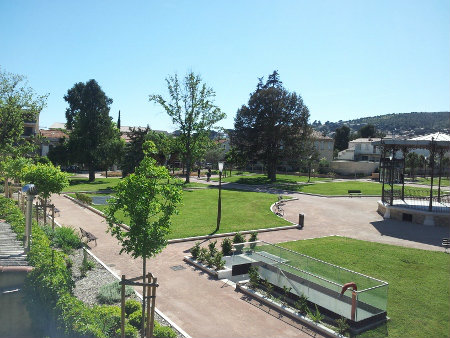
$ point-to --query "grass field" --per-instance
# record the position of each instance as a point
(419, 288)
(240, 211)
(257, 179)
(445, 182)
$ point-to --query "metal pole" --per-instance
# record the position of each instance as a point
(144, 295)
(149, 291)
(28, 222)
(391, 176)
(219, 204)
(383, 164)
(441, 154)
(433, 151)
(53, 217)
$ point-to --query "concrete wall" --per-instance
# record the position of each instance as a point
(14, 318)
(354, 167)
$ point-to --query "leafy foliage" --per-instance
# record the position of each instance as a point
(227, 246)
(301, 304)
(191, 108)
(218, 261)
(342, 325)
(93, 136)
(132, 305)
(47, 178)
(133, 149)
(238, 238)
(86, 199)
(195, 250)
(149, 202)
(341, 138)
(18, 103)
(272, 126)
(253, 276)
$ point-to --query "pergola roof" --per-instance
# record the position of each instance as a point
(440, 141)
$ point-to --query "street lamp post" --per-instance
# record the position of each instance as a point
(219, 204)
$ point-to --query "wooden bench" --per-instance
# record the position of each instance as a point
(446, 243)
(354, 193)
(90, 237)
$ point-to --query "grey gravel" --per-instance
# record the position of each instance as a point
(86, 288)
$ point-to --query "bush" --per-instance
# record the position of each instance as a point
(218, 261)
(86, 265)
(110, 293)
(66, 239)
(227, 247)
(132, 305)
(342, 325)
(209, 259)
(253, 238)
(195, 250)
(135, 319)
(253, 276)
(83, 198)
(160, 331)
(108, 318)
(238, 238)
(212, 248)
(301, 304)
(316, 316)
(130, 331)
(202, 255)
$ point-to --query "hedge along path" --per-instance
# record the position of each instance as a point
(186, 295)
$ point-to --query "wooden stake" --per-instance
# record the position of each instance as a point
(122, 315)
(152, 317)
(53, 217)
(149, 291)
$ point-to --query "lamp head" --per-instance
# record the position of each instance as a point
(30, 189)
(220, 166)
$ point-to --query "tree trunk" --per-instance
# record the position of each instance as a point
(45, 211)
(106, 173)
(91, 174)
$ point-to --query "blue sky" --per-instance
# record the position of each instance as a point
(347, 59)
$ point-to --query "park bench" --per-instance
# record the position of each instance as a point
(90, 237)
(446, 243)
(354, 193)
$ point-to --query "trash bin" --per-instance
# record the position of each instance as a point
(301, 220)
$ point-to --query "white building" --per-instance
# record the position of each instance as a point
(361, 149)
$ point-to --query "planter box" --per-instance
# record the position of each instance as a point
(221, 274)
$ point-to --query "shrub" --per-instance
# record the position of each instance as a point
(108, 318)
(253, 238)
(238, 238)
(212, 248)
(253, 276)
(218, 261)
(195, 250)
(132, 305)
(110, 293)
(135, 319)
(316, 316)
(83, 198)
(86, 265)
(301, 304)
(66, 239)
(160, 331)
(130, 331)
(227, 247)
(209, 259)
(286, 291)
(202, 255)
(342, 325)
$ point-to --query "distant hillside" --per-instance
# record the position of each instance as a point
(407, 124)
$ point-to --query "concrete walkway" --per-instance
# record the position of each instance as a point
(201, 306)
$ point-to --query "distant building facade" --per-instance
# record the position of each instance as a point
(324, 145)
(50, 139)
(361, 149)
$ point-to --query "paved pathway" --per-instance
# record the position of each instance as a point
(201, 306)
(204, 307)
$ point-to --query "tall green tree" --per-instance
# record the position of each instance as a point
(90, 124)
(133, 150)
(273, 125)
(12, 167)
(18, 103)
(412, 162)
(149, 202)
(367, 131)
(164, 145)
(191, 107)
(341, 138)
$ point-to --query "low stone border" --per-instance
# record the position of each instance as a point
(323, 330)
(221, 274)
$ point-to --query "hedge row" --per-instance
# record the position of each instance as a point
(49, 289)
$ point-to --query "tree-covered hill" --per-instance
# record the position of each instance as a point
(407, 124)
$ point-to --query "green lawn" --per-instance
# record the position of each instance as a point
(82, 184)
(240, 211)
(445, 182)
(419, 288)
(257, 179)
